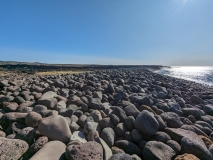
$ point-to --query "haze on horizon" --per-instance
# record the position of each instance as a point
(166, 32)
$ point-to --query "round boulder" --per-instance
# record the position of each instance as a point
(158, 150)
(32, 119)
(54, 126)
(146, 123)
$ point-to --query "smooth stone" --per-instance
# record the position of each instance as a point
(53, 150)
(128, 147)
(121, 156)
(136, 136)
(49, 94)
(190, 142)
(54, 126)
(129, 123)
(32, 119)
(120, 129)
(172, 119)
(162, 137)
(91, 126)
(146, 123)
(108, 135)
(131, 110)
(174, 145)
(158, 151)
(107, 153)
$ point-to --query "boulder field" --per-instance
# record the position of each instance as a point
(114, 114)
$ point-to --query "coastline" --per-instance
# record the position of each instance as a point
(117, 112)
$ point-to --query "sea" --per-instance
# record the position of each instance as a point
(203, 75)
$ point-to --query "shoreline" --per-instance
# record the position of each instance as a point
(105, 114)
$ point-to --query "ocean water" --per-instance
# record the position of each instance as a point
(203, 75)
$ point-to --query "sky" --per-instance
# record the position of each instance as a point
(137, 32)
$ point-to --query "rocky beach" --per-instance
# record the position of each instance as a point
(110, 114)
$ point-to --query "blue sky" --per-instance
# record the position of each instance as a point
(166, 32)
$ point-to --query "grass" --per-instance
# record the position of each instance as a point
(60, 72)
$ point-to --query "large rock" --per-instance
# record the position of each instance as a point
(119, 113)
(208, 109)
(12, 148)
(32, 119)
(35, 147)
(191, 111)
(162, 137)
(162, 124)
(196, 99)
(106, 150)
(195, 147)
(54, 126)
(91, 126)
(50, 103)
(11, 117)
(95, 104)
(129, 123)
(120, 129)
(190, 142)
(158, 151)
(53, 150)
(172, 119)
(174, 145)
(146, 123)
(128, 147)
(131, 110)
(49, 94)
(90, 150)
(108, 135)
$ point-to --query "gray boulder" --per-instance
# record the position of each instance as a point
(12, 148)
(54, 126)
(108, 135)
(158, 151)
(53, 150)
(172, 119)
(128, 147)
(146, 123)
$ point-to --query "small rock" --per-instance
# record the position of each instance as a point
(128, 147)
(129, 123)
(120, 129)
(77, 135)
(89, 151)
(121, 156)
(174, 145)
(162, 137)
(186, 157)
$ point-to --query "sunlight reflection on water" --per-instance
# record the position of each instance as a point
(202, 75)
